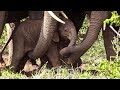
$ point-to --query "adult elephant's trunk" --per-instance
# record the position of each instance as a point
(46, 35)
(96, 21)
(2, 21)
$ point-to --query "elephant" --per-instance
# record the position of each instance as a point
(96, 22)
(26, 38)
(50, 25)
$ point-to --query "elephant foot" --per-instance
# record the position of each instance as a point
(76, 63)
(12, 69)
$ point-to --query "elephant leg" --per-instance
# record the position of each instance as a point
(108, 35)
(18, 51)
(2, 20)
(53, 55)
(22, 63)
(2, 23)
(45, 60)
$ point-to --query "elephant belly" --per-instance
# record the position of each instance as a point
(31, 42)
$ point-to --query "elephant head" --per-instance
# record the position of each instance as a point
(96, 22)
(68, 32)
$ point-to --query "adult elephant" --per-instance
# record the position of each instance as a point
(96, 22)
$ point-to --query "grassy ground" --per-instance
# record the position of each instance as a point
(96, 66)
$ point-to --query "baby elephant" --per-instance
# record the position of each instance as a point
(26, 36)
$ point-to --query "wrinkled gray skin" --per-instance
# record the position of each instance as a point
(96, 22)
(27, 35)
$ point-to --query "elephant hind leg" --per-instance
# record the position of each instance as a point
(108, 37)
(45, 60)
(22, 63)
(53, 55)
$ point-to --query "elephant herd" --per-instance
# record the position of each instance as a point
(41, 36)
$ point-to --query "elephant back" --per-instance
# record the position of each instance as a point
(30, 30)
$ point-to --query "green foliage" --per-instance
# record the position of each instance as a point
(7, 74)
(114, 20)
(3, 38)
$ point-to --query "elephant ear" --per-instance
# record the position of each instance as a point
(55, 37)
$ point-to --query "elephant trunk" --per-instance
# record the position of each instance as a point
(73, 34)
(2, 21)
(46, 35)
(96, 21)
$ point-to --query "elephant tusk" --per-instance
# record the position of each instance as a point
(55, 17)
(64, 15)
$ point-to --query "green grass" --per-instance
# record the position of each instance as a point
(95, 59)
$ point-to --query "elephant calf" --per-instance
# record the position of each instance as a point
(26, 37)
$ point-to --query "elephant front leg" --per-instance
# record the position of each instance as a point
(18, 51)
(108, 35)
(53, 55)
(2, 21)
